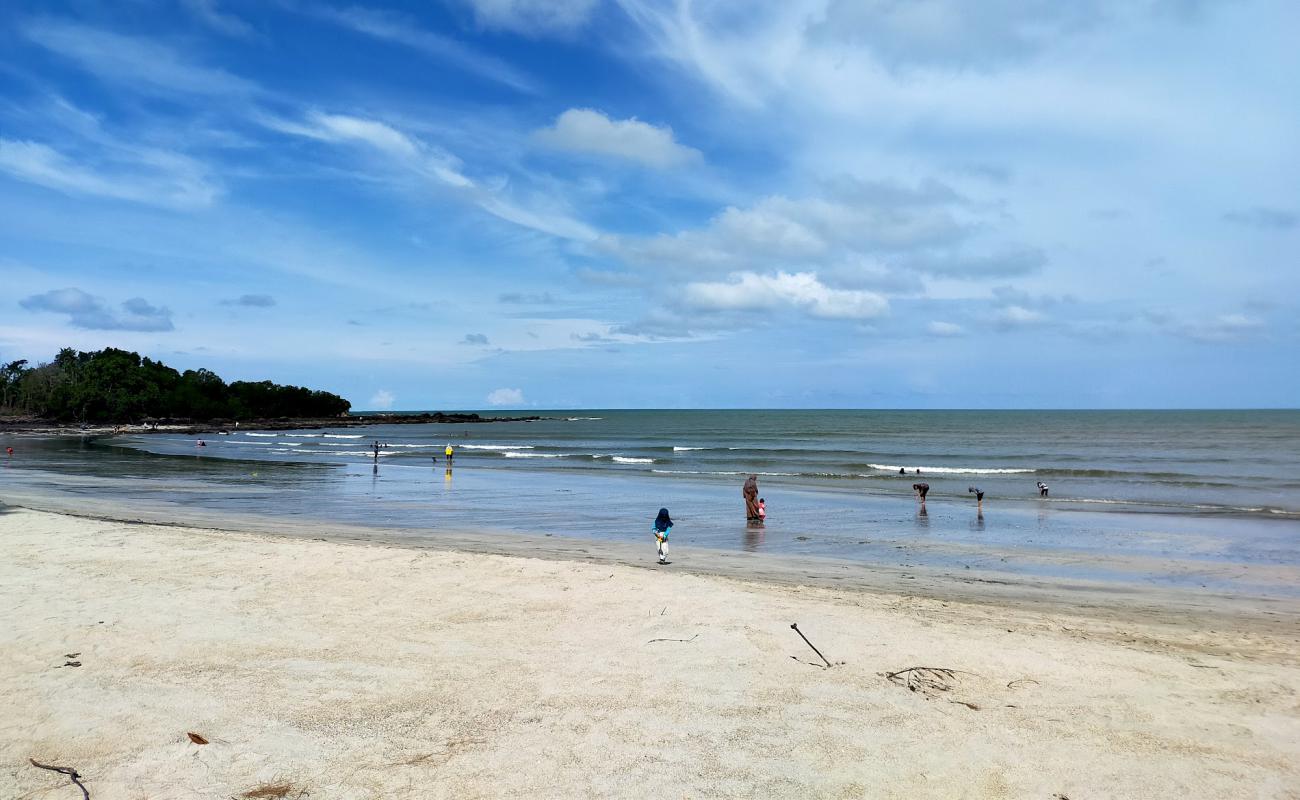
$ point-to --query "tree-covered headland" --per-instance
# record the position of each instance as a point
(114, 385)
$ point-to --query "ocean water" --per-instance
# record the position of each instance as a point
(1187, 498)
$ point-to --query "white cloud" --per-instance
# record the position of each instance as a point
(154, 177)
(141, 64)
(382, 400)
(947, 329)
(533, 17)
(584, 130)
(1017, 317)
(1222, 328)
(433, 163)
(506, 397)
(392, 27)
(749, 291)
(212, 16)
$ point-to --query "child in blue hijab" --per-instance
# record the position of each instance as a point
(663, 527)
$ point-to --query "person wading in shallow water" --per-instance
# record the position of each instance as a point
(750, 491)
(921, 489)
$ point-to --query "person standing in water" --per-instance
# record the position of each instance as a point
(663, 526)
(1042, 489)
(750, 491)
(762, 510)
(979, 499)
(921, 489)
(449, 453)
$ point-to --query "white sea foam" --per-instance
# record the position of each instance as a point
(495, 446)
(579, 419)
(343, 436)
(949, 470)
(261, 434)
(302, 435)
(630, 460)
(513, 454)
(723, 472)
(688, 448)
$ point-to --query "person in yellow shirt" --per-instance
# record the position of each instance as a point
(448, 453)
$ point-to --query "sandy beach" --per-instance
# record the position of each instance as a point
(332, 669)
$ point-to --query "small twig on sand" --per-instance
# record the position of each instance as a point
(72, 774)
(1015, 684)
(274, 790)
(693, 638)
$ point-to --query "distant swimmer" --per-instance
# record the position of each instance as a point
(9, 451)
(662, 528)
(902, 470)
(1042, 489)
(921, 489)
(918, 470)
(201, 443)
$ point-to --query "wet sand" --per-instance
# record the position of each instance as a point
(351, 669)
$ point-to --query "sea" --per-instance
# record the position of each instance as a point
(1184, 498)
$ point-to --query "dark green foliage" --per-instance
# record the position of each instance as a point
(113, 385)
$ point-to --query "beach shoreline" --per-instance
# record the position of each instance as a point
(351, 668)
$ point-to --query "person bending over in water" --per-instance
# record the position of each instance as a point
(1042, 489)
(921, 489)
(762, 510)
(662, 527)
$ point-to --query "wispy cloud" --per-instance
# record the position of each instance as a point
(533, 17)
(382, 400)
(154, 177)
(395, 28)
(748, 291)
(210, 14)
(87, 311)
(250, 300)
(584, 130)
(1265, 218)
(478, 339)
(414, 156)
(141, 64)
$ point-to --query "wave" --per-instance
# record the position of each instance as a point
(343, 436)
(301, 435)
(950, 470)
(630, 460)
(678, 449)
(263, 444)
(500, 447)
(580, 419)
(261, 434)
(710, 472)
(513, 454)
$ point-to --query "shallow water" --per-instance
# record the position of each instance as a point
(877, 523)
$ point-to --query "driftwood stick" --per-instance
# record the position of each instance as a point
(693, 638)
(795, 627)
(72, 774)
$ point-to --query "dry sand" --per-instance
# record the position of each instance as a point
(356, 671)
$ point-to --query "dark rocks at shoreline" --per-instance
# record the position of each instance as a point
(27, 424)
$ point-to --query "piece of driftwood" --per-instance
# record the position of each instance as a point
(693, 638)
(273, 790)
(196, 738)
(72, 774)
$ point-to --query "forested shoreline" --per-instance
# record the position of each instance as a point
(118, 386)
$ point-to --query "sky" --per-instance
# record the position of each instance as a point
(531, 204)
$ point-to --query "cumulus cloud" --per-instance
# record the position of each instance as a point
(946, 329)
(475, 338)
(853, 220)
(533, 17)
(1014, 316)
(87, 311)
(250, 300)
(506, 397)
(749, 291)
(1218, 329)
(382, 400)
(584, 130)
(1266, 218)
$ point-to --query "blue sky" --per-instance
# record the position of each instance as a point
(620, 203)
